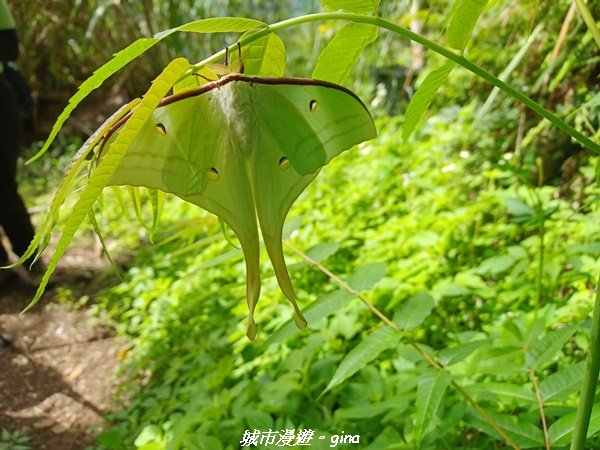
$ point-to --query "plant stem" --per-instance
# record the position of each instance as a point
(589, 20)
(590, 380)
(446, 53)
(536, 387)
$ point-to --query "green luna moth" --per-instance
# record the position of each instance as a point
(244, 148)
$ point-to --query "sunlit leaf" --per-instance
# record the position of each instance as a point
(324, 306)
(355, 6)
(464, 18)
(423, 97)
(264, 57)
(343, 52)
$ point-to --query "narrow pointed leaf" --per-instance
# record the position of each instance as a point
(157, 200)
(134, 193)
(430, 392)
(100, 235)
(69, 180)
(464, 18)
(101, 176)
(356, 6)
(559, 385)
(561, 431)
(363, 354)
(132, 51)
(343, 51)
(490, 390)
(423, 97)
(542, 352)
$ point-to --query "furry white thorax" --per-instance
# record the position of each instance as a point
(235, 101)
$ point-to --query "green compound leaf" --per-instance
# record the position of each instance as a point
(75, 172)
(464, 18)
(523, 433)
(343, 51)
(132, 51)
(423, 97)
(115, 153)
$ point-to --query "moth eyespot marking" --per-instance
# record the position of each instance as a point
(213, 174)
(161, 129)
(284, 163)
(312, 105)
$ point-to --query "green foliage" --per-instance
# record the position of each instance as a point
(13, 441)
(475, 316)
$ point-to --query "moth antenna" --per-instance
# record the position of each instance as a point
(203, 77)
(240, 57)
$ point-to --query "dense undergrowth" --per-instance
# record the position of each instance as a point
(496, 279)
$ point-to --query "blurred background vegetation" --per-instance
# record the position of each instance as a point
(488, 211)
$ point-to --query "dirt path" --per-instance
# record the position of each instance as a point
(58, 375)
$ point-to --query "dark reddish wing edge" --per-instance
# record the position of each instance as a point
(228, 79)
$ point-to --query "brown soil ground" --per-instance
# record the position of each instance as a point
(57, 377)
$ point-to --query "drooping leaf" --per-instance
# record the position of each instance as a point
(414, 311)
(343, 51)
(355, 6)
(101, 176)
(430, 392)
(423, 97)
(465, 15)
(132, 51)
(69, 181)
(365, 352)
